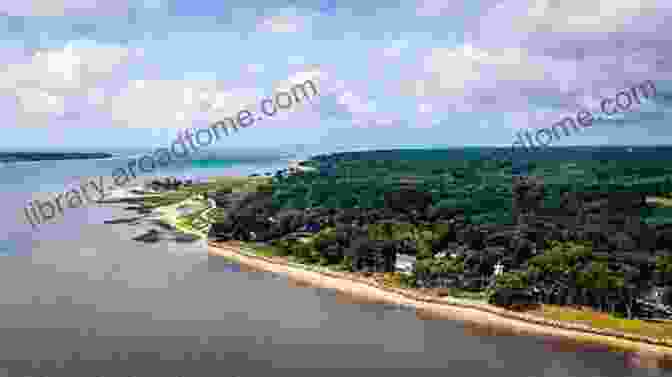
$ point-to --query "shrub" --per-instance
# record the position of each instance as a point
(507, 283)
(434, 266)
(408, 280)
(283, 247)
(664, 264)
(561, 257)
(514, 280)
(303, 252)
(346, 263)
(265, 187)
(324, 239)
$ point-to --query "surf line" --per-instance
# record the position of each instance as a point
(73, 199)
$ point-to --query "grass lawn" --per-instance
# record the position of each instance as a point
(230, 259)
(188, 220)
(233, 183)
(168, 202)
(459, 293)
(264, 251)
(216, 184)
(166, 199)
(606, 321)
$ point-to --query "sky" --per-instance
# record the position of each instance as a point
(120, 73)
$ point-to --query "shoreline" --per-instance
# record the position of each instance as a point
(482, 314)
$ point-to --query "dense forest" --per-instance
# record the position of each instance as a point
(480, 187)
(565, 231)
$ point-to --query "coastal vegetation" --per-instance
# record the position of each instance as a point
(606, 321)
(565, 233)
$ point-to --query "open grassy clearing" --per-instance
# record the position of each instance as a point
(199, 221)
(235, 184)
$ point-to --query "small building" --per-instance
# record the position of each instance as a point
(404, 263)
(499, 269)
(659, 295)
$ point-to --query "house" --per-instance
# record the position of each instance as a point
(499, 269)
(404, 263)
(296, 167)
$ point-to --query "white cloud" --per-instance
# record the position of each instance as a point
(40, 101)
(425, 8)
(96, 96)
(314, 73)
(78, 66)
(574, 16)
(452, 71)
(91, 81)
(177, 103)
(425, 108)
(356, 104)
(50, 79)
(64, 7)
(311, 72)
(282, 24)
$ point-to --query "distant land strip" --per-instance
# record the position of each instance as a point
(42, 156)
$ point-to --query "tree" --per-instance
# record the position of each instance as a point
(506, 284)
(561, 257)
(601, 281)
(664, 264)
(303, 252)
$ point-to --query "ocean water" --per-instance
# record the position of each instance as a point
(81, 295)
(22, 182)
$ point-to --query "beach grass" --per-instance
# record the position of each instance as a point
(547, 329)
(660, 201)
(265, 250)
(600, 320)
(461, 293)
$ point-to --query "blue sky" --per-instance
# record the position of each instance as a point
(108, 74)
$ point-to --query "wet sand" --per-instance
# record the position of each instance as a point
(360, 291)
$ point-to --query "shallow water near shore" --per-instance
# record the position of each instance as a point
(651, 362)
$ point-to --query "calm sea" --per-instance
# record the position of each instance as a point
(23, 181)
(79, 297)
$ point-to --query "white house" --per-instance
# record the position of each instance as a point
(499, 268)
(405, 263)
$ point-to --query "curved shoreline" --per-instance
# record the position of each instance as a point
(467, 312)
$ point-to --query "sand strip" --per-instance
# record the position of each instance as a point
(482, 314)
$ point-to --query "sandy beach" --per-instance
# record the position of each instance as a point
(487, 315)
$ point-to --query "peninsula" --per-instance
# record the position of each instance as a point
(578, 248)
